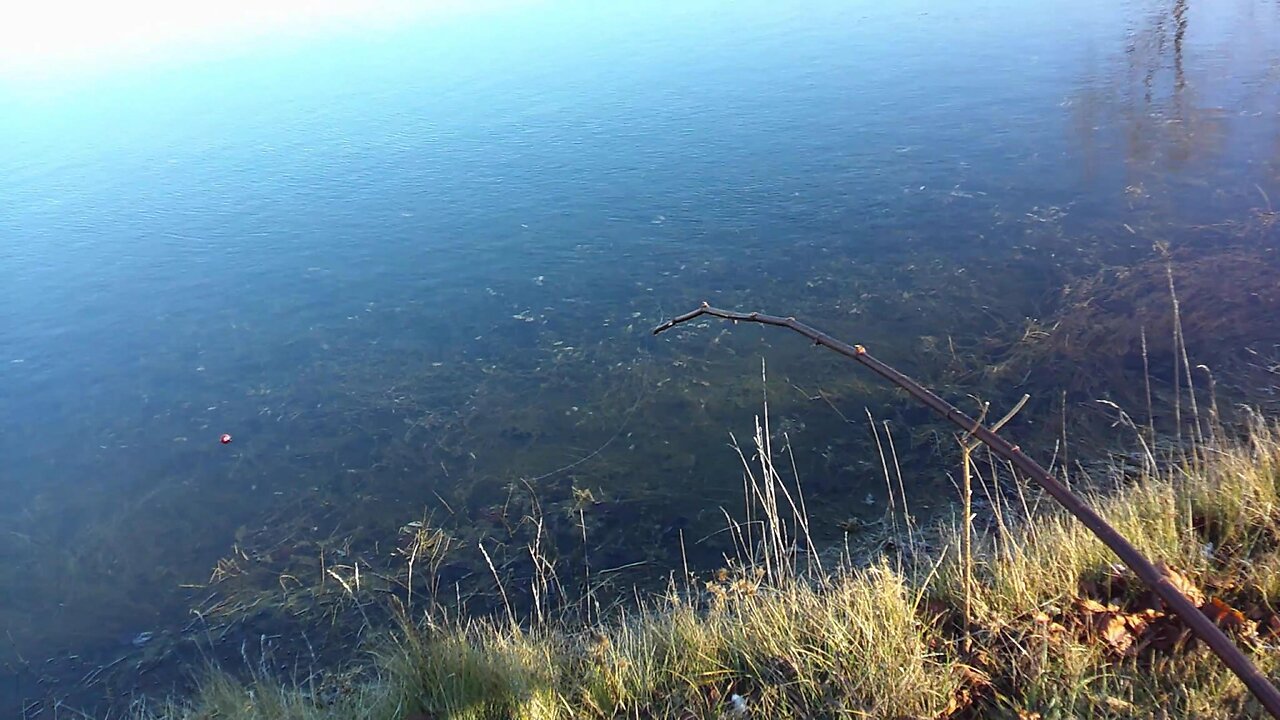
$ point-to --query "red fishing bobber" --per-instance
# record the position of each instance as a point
(225, 439)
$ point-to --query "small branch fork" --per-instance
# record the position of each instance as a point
(1200, 624)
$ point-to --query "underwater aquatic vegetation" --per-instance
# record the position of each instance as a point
(1059, 629)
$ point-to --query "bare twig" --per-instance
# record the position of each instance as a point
(1200, 624)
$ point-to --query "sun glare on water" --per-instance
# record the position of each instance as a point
(52, 37)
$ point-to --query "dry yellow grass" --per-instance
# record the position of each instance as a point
(890, 640)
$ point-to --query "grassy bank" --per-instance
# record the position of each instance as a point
(1039, 624)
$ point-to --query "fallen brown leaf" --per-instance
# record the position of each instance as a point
(1185, 586)
(1114, 631)
(1165, 635)
(1090, 606)
(972, 683)
(1229, 619)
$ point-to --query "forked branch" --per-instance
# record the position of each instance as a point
(1182, 606)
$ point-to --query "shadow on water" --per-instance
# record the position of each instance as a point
(538, 411)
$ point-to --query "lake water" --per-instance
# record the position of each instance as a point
(412, 272)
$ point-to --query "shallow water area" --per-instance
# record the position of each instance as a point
(413, 273)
